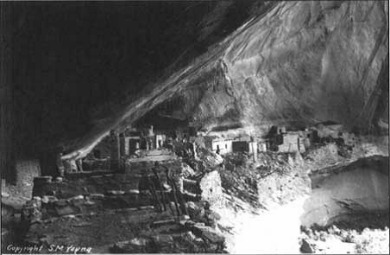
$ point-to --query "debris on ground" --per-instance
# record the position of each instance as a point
(135, 211)
(352, 236)
(139, 211)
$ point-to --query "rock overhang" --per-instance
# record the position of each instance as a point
(277, 63)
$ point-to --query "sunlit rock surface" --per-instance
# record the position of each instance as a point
(360, 187)
(302, 62)
(297, 64)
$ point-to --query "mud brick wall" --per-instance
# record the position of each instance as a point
(290, 143)
(26, 171)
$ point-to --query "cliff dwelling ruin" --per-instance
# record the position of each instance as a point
(243, 127)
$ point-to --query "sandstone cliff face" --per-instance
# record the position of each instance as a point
(300, 63)
(216, 64)
(360, 187)
(294, 63)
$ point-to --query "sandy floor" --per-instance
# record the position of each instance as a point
(273, 232)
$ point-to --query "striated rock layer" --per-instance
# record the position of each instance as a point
(217, 65)
(361, 187)
(300, 63)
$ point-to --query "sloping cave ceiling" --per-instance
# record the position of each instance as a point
(79, 69)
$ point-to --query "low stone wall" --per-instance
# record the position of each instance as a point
(87, 185)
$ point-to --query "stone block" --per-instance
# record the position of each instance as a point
(78, 197)
(135, 245)
(4, 194)
(163, 222)
(213, 215)
(189, 236)
(208, 233)
(49, 199)
(163, 240)
(133, 191)
(115, 192)
(183, 217)
(147, 207)
(61, 202)
(212, 236)
(65, 210)
(96, 196)
(194, 210)
(26, 171)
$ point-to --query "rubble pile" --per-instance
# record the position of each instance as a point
(272, 178)
(284, 181)
(239, 178)
(189, 201)
(352, 236)
(197, 156)
(138, 210)
(324, 156)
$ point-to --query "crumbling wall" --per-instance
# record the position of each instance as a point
(290, 143)
(224, 146)
(211, 187)
(323, 156)
(26, 171)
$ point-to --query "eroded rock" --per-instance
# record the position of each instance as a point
(211, 187)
